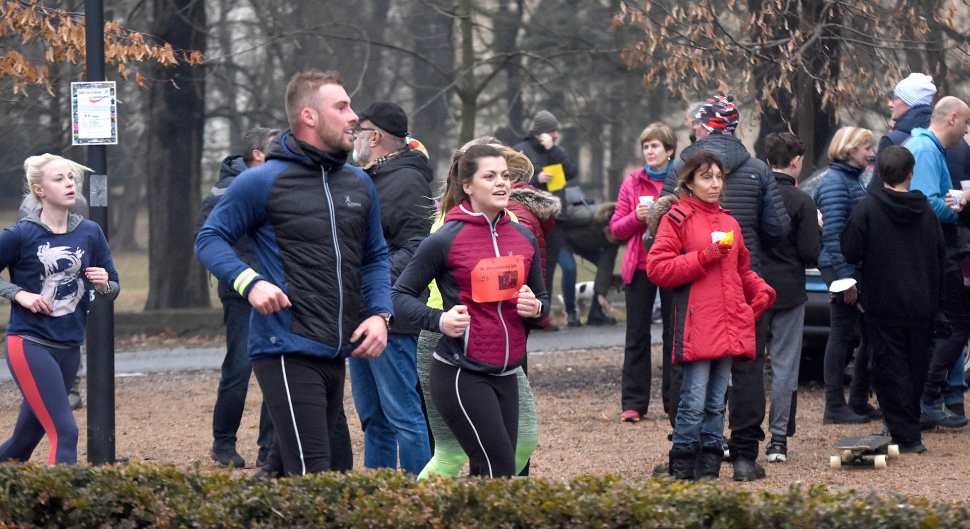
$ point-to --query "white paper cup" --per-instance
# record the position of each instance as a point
(648, 200)
(955, 195)
(716, 236)
(964, 184)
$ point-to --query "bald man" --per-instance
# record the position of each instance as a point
(948, 125)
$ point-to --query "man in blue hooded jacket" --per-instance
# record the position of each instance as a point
(323, 290)
(948, 125)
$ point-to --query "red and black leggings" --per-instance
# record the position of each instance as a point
(44, 375)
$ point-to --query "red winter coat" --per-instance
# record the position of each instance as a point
(536, 210)
(712, 316)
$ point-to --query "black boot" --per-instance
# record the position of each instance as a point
(709, 463)
(572, 320)
(682, 464)
(596, 314)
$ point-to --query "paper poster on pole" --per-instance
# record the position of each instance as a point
(94, 116)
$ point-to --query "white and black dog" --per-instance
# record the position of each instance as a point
(584, 293)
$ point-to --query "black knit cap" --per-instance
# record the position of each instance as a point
(544, 122)
(388, 116)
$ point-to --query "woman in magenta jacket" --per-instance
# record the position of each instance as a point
(699, 254)
(629, 223)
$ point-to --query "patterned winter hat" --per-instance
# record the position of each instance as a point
(718, 114)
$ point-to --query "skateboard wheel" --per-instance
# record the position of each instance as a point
(835, 462)
(892, 451)
(879, 462)
(847, 455)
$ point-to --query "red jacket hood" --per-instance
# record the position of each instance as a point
(464, 213)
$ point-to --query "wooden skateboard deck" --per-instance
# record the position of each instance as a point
(855, 450)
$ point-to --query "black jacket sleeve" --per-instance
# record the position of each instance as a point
(809, 235)
(429, 262)
(775, 222)
(411, 223)
(855, 234)
(569, 167)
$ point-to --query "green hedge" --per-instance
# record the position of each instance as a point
(142, 495)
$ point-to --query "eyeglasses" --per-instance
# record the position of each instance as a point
(358, 129)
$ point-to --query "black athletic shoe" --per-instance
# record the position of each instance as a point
(777, 451)
(661, 471)
(227, 457)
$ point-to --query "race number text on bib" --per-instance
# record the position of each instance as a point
(498, 278)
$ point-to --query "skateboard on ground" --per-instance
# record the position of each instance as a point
(856, 449)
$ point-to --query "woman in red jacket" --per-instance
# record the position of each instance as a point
(700, 254)
(629, 223)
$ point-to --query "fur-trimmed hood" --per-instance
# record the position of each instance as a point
(605, 213)
(659, 209)
(541, 203)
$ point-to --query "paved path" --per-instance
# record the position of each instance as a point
(174, 359)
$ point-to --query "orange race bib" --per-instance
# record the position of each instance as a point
(498, 278)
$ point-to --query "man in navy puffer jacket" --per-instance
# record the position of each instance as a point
(323, 288)
(911, 106)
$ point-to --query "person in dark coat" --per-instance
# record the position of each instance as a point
(541, 149)
(895, 235)
(236, 367)
(783, 267)
(911, 104)
(958, 163)
(751, 195)
(836, 196)
(386, 388)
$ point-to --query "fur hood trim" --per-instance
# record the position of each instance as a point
(605, 213)
(542, 204)
(659, 209)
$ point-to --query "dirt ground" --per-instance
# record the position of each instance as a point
(166, 419)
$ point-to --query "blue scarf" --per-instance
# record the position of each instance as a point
(658, 177)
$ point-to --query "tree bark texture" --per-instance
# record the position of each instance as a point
(175, 128)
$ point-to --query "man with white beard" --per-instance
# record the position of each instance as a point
(385, 388)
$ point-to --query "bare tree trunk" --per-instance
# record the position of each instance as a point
(433, 39)
(508, 21)
(227, 77)
(466, 86)
(175, 125)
